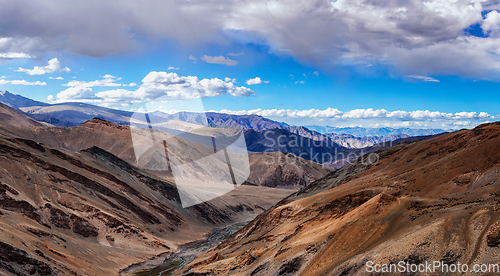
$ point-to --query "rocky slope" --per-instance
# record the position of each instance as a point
(69, 207)
(91, 213)
(9, 115)
(117, 140)
(434, 200)
(80, 213)
(283, 170)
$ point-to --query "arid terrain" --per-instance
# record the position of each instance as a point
(75, 202)
(71, 204)
(434, 200)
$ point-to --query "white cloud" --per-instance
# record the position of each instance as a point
(13, 55)
(492, 22)
(369, 113)
(72, 94)
(300, 82)
(176, 87)
(169, 86)
(219, 60)
(255, 80)
(371, 117)
(21, 82)
(193, 58)
(236, 54)
(227, 79)
(423, 78)
(316, 73)
(54, 65)
(108, 80)
(173, 68)
(56, 78)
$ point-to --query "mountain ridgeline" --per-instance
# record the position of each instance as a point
(73, 203)
(73, 200)
(75, 114)
(424, 201)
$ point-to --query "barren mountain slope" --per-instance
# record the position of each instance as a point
(11, 116)
(84, 213)
(117, 140)
(283, 170)
(434, 200)
(74, 114)
(91, 213)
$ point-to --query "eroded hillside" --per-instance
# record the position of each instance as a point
(434, 200)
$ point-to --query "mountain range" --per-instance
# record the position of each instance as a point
(74, 200)
(383, 131)
(75, 114)
(73, 205)
(424, 201)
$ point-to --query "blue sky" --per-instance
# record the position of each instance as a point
(340, 63)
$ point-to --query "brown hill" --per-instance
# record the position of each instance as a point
(11, 116)
(434, 200)
(88, 212)
(117, 140)
(91, 213)
(283, 170)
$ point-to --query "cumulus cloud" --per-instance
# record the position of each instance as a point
(369, 113)
(72, 94)
(21, 82)
(414, 37)
(168, 86)
(492, 22)
(219, 60)
(176, 87)
(107, 80)
(56, 78)
(53, 66)
(372, 117)
(423, 78)
(255, 80)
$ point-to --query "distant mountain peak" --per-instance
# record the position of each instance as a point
(374, 131)
(18, 101)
